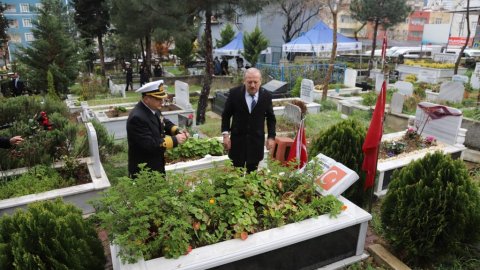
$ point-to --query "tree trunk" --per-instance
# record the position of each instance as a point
(101, 54)
(374, 45)
(207, 78)
(148, 58)
(333, 55)
(459, 58)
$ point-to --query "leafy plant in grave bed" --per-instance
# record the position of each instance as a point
(432, 210)
(49, 235)
(155, 216)
(194, 149)
(45, 141)
(43, 178)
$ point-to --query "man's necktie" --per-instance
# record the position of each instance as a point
(253, 102)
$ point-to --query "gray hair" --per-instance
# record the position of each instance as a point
(251, 71)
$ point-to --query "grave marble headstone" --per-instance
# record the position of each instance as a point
(396, 105)
(93, 146)
(444, 57)
(460, 78)
(444, 129)
(182, 95)
(306, 90)
(451, 91)
(116, 89)
(426, 76)
(405, 88)
(475, 80)
(379, 81)
(292, 113)
(350, 77)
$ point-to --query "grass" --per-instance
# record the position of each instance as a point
(176, 71)
(211, 127)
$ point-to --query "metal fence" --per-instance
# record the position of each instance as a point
(314, 72)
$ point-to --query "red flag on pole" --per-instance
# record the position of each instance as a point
(372, 140)
(298, 151)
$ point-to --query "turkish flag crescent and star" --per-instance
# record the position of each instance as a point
(298, 151)
(372, 140)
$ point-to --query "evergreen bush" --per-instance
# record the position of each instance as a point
(49, 235)
(343, 142)
(431, 209)
(296, 88)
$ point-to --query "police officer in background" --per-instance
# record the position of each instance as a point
(149, 134)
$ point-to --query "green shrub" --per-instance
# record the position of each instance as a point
(431, 208)
(41, 146)
(23, 108)
(328, 105)
(369, 98)
(296, 88)
(343, 142)
(49, 235)
(410, 104)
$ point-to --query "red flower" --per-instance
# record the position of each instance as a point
(189, 249)
(190, 116)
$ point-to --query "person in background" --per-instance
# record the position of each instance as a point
(246, 110)
(239, 61)
(128, 76)
(144, 76)
(9, 142)
(224, 65)
(17, 85)
(149, 134)
(157, 69)
(217, 66)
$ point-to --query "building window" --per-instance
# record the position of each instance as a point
(438, 20)
(347, 31)
(346, 19)
(10, 8)
(13, 23)
(38, 6)
(416, 34)
(27, 22)
(15, 38)
(24, 8)
(29, 37)
(418, 21)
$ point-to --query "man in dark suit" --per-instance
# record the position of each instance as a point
(17, 85)
(149, 134)
(128, 76)
(243, 121)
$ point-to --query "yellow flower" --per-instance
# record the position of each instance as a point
(211, 201)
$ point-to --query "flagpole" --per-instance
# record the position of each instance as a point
(385, 77)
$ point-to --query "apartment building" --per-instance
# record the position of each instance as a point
(20, 14)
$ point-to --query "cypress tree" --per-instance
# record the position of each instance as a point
(343, 142)
(53, 49)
